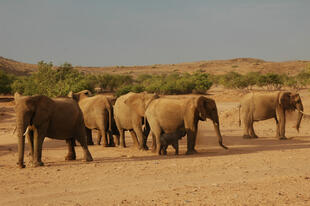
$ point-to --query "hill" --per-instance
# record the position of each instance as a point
(240, 65)
(15, 67)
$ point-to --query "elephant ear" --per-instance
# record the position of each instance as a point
(136, 103)
(43, 108)
(17, 97)
(201, 107)
(112, 100)
(285, 99)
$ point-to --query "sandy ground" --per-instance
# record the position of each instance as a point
(263, 171)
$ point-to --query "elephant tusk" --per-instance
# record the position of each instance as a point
(28, 129)
(14, 130)
(305, 114)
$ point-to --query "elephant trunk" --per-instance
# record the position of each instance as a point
(300, 110)
(21, 127)
(218, 133)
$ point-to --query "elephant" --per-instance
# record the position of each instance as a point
(261, 106)
(129, 112)
(171, 138)
(39, 116)
(169, 115)
(98, 114)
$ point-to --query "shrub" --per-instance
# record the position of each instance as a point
(5, 82)
(200, 82)
(54, 82)
(271, 80)
(123, 90)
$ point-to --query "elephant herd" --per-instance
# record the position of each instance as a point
(167, 118)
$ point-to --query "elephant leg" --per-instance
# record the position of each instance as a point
(246, 126)
(164, 149)
(29, 136)
(175, 145)
(37, 143)
(140, 136)
(134, 138)
(116, 139)
(99, 138)
(111, 142)
(153, 142)
(71, 151)
(104, 136)
(122, 138)
(281, 117)
(146, 133)
(83, 141)
(278, 128)
(157, 143)
(190, 142)
(251, 131)
(89, 136)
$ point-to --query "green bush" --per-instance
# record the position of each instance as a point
(6, 81)
(113, 82)
(234, 80)
(271, 80)
(53, 82)
(200, 83)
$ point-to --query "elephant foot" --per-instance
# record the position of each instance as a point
(21, 165)
(142, 148)
(37, 164)
(192, 151)
(70, 157)
(283, 138)
(112, 144)
(246, 136)
(88, 157)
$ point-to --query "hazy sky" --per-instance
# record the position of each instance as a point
(139, 32)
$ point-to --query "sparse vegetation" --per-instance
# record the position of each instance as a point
(59, 81)
(6, 81)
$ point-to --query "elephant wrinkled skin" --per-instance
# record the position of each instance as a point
(98, 113)
(129, 112)
(262, 106)
(39, 116)
(168, 115)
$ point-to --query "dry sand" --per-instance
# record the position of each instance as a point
(263, 171)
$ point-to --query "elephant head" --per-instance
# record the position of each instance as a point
(79, 95)
(140, 101)
(30, 111)
(206, 108)
(292, 101)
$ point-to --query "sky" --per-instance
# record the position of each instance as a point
(145, 32)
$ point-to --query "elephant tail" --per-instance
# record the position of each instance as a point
(110, 117)
(239, 107)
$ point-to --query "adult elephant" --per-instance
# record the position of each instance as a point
(262, 106)
(169, 115)
(97, 112)
(129, 112)
(39, 116)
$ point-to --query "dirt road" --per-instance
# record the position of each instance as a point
(263, 171)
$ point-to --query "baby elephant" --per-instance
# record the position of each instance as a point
(171, 138)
